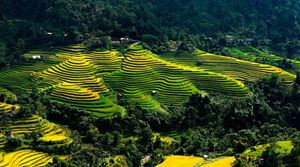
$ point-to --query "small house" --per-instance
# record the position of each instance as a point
(9, 135)
(154, 93)
(35, 57)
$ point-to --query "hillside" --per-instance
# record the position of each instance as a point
(150, 83)
(70, 84)
(90, 81)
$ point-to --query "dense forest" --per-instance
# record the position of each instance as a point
(71, 96)
(205, 24)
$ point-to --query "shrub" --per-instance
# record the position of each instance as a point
(98, 42)
(13, 142)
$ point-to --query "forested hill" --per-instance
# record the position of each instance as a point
(202, 23)
(144, 83)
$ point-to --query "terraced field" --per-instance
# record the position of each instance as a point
(107, 61)
(244, 71)
(20, 127)
(90, 81)
(247, 71)
(151, 81)
(28, 158)
(255, 55)
(85, 99)
(181, 161)
(191, 161)
(19, 77)
(76, 71)
(8, 95)
(53, 136)
(53, 139)
(2, 142)
(7, 108)
(281, 147)
(65, 53)
(143, 72)
(75, 81)
(220, 162)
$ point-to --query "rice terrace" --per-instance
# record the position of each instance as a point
(90, 81)
(172, 83)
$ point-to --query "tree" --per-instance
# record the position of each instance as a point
(245, 161)
(285, 64)
(98, 42)
(270, 157)
(187, 45)
(198, 110)
(4, 59)
(145, 137)
(297, 81)
(149, 39)
(133, 154)
(296, 151)
(239, 147)
(92, 133)
(13, 142)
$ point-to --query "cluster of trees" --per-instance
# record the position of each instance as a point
(98, 42)
(204, 24)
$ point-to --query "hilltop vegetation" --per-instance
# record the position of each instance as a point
(205, 24)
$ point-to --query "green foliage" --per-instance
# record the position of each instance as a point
(298, 78)
(244, 161)
(13, 142)
(205, 24)
(3, 54)
(296, 149)
(270, 157)
(7, 96)
(199, 110)
(98, 42)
